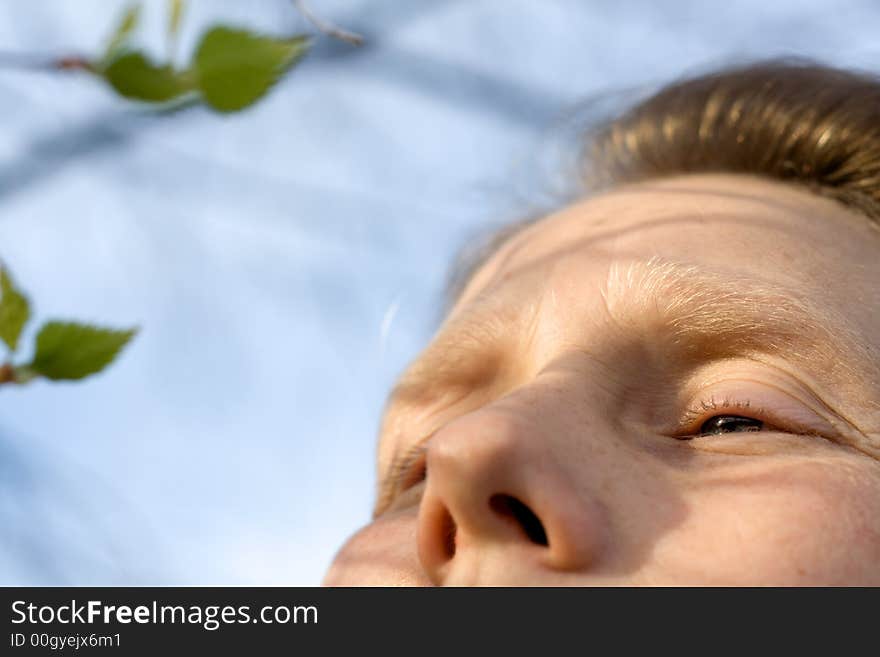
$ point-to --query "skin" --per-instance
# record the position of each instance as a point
(584, 372)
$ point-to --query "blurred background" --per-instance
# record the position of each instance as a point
(286, 262)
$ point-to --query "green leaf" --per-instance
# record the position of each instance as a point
(123, 31)
(66, 350)
(235, 68)
(175, 13)
(14, 311)
(134, 76)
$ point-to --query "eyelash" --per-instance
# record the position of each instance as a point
(699, 409)
(728, 406)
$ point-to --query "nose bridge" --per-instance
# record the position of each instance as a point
(537, 431)
(498, 489)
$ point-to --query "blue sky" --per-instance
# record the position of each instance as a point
(285, 263)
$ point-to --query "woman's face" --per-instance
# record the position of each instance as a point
(675, 383)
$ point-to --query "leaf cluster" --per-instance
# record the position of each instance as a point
(230, 69)
(63, 351)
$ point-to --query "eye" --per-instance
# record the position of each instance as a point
(714, 417)
(729, 424)
(735, 407)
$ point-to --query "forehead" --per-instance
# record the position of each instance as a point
(747, 224)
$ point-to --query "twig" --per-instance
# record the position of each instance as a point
(328, 28)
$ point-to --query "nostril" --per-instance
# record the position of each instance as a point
(508, 506)
(449, 531)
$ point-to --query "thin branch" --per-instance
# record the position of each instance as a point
(328, 28)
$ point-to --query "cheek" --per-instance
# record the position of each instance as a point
(381, 554)
(808, 524)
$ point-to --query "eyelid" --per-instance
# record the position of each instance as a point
(777, 408)
(708, 407)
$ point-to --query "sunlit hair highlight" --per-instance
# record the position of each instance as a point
(794, 121)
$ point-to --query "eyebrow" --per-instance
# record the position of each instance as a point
(718, 310)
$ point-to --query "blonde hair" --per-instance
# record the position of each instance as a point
(794, 121)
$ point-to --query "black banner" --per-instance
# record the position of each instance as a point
(151, 621)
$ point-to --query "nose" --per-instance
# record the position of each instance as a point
(499, 503)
